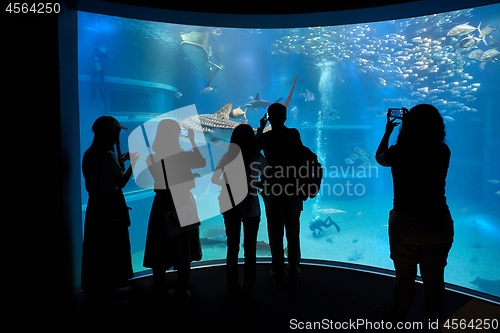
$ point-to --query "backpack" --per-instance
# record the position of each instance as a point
(310, 174)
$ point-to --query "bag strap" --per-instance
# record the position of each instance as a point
(228, 187)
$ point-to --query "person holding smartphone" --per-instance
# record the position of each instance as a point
(281, 196)
(420, 224)
(171, 168)
(106, 261)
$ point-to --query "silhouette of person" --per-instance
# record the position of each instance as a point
(420, 224)
(98, 56)
(282, 202)
(247, 212)
(171, 168)
(106, 261)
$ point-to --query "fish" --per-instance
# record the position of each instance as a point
(483, 33)
(487, 286)
(494, 42)
(216, 127)
(462, 29)
(353, 156)
(497, 192)
(330, 211)
(493, 181)
(195, 46)
(476, 54)
(294, 113)
(238, 113)
(258, 103)
(469, 42)
(209, 241)
(308, 96)
(263, 246)
(359, 151)
(178, 94)
(448, 118)
(348, 161)
(489, 55)
(381, 114)
(218, 233)
(207, 90)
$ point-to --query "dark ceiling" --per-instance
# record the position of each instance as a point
(261, 7)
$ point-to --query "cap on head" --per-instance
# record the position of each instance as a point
(106, 123)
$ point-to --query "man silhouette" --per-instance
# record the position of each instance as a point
(283, 205)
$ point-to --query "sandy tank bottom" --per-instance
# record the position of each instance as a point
(362, 239)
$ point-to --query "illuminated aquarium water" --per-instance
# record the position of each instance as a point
(347, 78)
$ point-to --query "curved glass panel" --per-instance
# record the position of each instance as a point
(348, 76)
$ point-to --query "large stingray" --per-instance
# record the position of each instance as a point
(196, 48)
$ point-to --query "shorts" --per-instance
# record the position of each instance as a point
(417, 240)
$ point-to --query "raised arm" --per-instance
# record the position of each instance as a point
(122, 178)
(384, 143)
(200, 160)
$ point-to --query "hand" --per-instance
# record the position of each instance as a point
(263, 121)
(134, 157)
(391, 123)
(190, 134)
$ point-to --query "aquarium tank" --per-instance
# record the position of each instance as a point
(347, 76)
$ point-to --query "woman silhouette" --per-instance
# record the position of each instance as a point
(247, 212)
(171, 168)
(420, 224)
(106, 262)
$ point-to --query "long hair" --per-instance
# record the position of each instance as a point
(421, 126)
(243, 137)
(167, 137)
(103, 141)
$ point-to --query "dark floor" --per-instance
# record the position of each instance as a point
(332, 296)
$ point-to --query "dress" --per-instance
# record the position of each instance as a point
(163, 251)
(420, 223)
(106, 260)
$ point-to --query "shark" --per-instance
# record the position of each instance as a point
(258, 103)
(197, 50)
(216, 126)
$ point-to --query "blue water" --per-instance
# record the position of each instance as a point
(347, 78)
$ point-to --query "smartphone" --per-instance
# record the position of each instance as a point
(396, 113)
(184, 133)
(266, 116)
